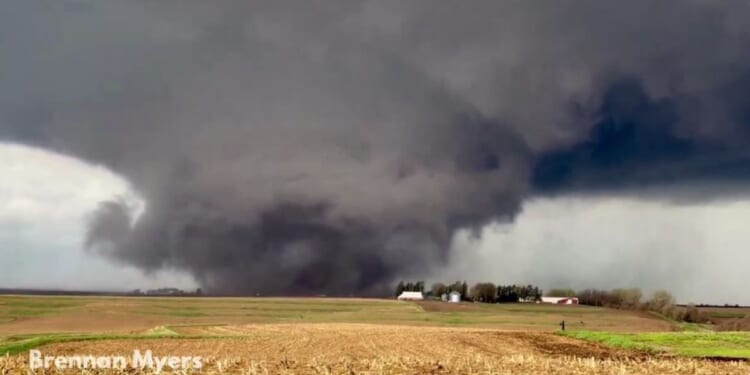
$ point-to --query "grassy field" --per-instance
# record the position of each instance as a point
(693, 344)
(328, 335)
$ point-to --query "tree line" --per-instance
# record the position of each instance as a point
(660, 302)
(437, 290)
(485, 292)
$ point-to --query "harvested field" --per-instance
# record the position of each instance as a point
(342, 336)
(39, 315)
(545, 317)
(515, 364)
(421, 342)
(373, 349)
(307, 342)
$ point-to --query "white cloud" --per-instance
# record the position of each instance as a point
(44, 201)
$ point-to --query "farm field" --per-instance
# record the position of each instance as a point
(359, 336)
(28, 315)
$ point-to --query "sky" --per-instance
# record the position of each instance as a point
(292, 148)
(614, 242)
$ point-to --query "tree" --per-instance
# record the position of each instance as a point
(507, 293)
(594, 297)
(455, 287)
(484, 292)
(400, 288)
(561, 292)
(660, 300)
(464, 291)
(627, 298)
(692, 315)
(199, 292)
(438, 289)
(418, 286)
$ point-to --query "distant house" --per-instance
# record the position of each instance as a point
(454, 297)
(411, 296)
(561, 300)
(444, 297)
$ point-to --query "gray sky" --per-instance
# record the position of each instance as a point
(696, 251)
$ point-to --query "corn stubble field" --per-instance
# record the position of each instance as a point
(329, 336)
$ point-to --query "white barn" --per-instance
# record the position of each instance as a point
(412, 296)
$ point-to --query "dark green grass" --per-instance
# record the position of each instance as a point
(691, 344)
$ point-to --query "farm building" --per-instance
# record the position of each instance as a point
(411, 296)
(561, 300)
(454, 297)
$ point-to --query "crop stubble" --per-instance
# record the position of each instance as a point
(376, 349)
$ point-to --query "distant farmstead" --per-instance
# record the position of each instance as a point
(561, 300)
(411, 296)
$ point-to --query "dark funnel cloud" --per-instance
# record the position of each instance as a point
(329, 147)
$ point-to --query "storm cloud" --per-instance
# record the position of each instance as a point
(298, 148)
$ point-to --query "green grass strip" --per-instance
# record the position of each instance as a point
(689, 344)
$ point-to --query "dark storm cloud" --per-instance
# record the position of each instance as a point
(292, 147)
(638, 141)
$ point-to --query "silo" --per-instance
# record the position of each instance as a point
(455, 297)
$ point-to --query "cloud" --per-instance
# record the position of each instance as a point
(296, 148)
(43, 212)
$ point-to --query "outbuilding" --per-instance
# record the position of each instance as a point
(411, 296)
(454, 297)
(561, 300)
